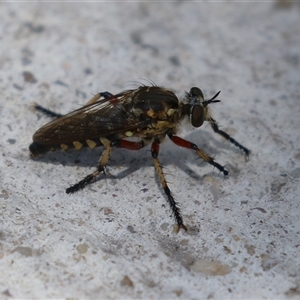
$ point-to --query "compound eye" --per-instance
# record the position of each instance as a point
(196, 92)
(197, 115)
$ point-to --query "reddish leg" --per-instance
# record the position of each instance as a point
(186, 144)
(129, 145)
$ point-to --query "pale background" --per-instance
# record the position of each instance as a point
(115, 239)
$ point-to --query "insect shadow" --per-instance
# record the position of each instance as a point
(132, 161)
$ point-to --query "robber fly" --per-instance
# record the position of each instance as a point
(148, 113)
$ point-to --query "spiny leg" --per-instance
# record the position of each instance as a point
(216, 129)
(47, 112)
(104, 160)
(186, 144)
(172, 202)
(53, 114)
(101, 168)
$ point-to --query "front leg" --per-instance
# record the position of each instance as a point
(186, 144)
(225, 135)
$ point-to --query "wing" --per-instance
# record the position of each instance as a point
(102, 118)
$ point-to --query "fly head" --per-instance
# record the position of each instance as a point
(197, 106)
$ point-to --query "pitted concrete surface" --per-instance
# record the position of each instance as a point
(115, 238)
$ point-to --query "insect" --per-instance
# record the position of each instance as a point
(148, 113)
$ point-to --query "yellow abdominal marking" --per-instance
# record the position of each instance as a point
(64, 146)
(77, 145)
(91, 144)
(129, 133)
